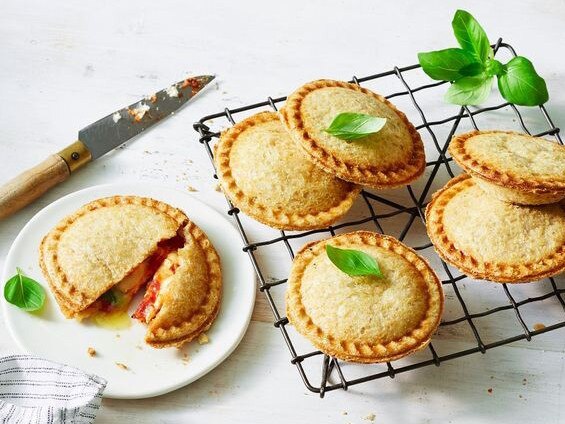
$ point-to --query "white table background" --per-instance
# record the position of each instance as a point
(64, 64)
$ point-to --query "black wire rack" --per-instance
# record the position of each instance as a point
(378, 207)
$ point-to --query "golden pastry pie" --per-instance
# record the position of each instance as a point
(494, 240)
(514, 167)
(268, 177)
(99, 257)
(366, 318)
(392, 157)
(184, 295)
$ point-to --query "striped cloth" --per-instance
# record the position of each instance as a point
(34, 390)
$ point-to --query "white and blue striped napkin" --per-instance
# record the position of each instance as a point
(35, 390)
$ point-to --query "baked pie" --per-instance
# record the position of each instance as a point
(392, 157)
(364, 318)
(267, 176)
(98, 258)
(511, 166)
(494, 240)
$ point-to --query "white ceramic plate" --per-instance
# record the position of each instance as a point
(151, 371)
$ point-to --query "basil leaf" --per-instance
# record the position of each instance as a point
(350, 126)
(469, 90)
(24, 292)
(353, 262)
(449, 64)
(471, 36)
(519, 83)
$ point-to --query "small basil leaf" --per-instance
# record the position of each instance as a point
(471, 36)
(469, 90)
(24, 292)
(448, 64)
(350, 126)
(353, 262)
(520, 84)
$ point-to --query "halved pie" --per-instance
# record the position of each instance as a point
(512, 166)
(392, 157)
(494, 240)
(268, 176)
(98, 258)
(366, 318)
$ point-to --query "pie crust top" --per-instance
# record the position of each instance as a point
(512, 159)
(392, 157)
(191, 298)
(494, 240)
(268, 176)
(93, 249)
(364, 319)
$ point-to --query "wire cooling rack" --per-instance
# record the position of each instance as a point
(379, 206)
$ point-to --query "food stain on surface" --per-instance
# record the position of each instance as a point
(117, 320)
(539, 326)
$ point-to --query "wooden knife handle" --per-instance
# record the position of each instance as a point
(31, 184)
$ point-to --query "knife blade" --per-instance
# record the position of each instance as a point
(97, 139)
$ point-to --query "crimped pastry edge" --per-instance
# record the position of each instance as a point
(371, 176)
(506, 179)
(205, 315)
(273, 218)
(365, 352)
(70, 304)
(495, 272)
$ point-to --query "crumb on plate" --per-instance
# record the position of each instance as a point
(122, 366)
(91, 352)
(203, 339)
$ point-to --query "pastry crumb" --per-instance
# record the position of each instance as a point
(539, 326)
(489, 390)
(218, 188)
(122, 366)
(369, 417)
(91, 352)
(203, 339)
(344, 413)
(191, 189)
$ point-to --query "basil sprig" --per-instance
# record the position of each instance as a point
(472, 69)
(351, 126)
(24, 292)
(353, 262)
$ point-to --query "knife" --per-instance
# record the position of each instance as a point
(96, 140)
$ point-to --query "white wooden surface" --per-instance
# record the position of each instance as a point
(65, 64)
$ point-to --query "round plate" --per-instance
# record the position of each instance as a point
(150, 372)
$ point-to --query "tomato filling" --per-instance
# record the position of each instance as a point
(151, 303)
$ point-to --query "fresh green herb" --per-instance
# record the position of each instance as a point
(24, 292)
(520, 82)
(110, 297)
(350, 126)
(472, 67)
(469, 90)
(353, 262)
